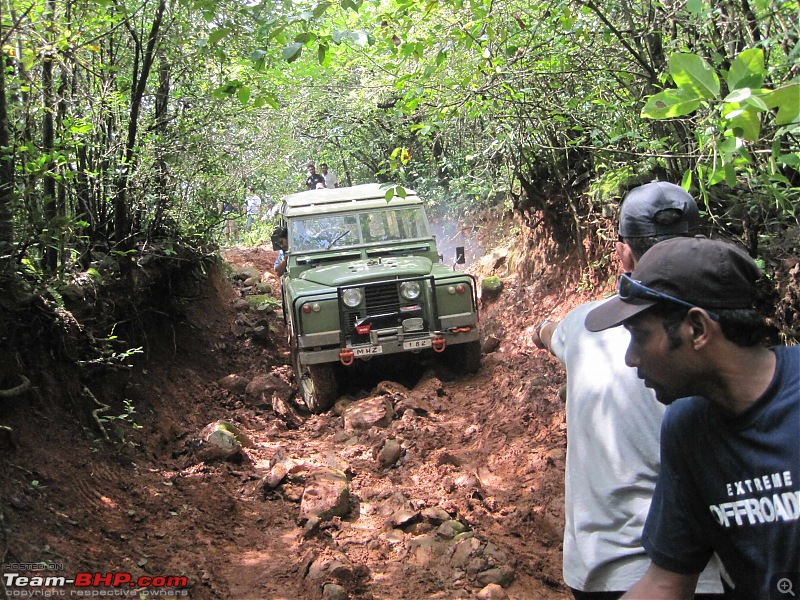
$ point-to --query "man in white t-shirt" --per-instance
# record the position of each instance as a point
(330, 177)
(614, 421)
(252, 207)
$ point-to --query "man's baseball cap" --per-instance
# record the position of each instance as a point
(707, 273)
(643, 211)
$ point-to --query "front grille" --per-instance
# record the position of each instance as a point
(382, 298)
(383, 307)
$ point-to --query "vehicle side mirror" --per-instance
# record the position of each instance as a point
(460, 259)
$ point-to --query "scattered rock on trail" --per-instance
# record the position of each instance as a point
(370, 412)
(221, 440)
(260, 390)
(327, 495)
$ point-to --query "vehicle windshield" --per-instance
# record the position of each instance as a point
(328, 231)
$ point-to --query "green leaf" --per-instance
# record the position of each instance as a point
(747, 70)
(787, 100)
(389, 194)
(670, 103)
(320, 9)
(691, 73)
(792, 160)
(244, 94)
(292, 52)
(217, 35)
(695, 7)
(322, 53)
(686, 181)
(401, 191)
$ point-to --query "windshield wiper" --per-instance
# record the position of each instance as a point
(337, 238)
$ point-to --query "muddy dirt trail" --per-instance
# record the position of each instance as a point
(422, 483)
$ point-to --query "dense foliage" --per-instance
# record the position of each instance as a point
(125, 123)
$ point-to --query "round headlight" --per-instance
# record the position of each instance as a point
(410, 290)
(352, 297)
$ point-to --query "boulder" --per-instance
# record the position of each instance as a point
(327, 495)
(370, 412)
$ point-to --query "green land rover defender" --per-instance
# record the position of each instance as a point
(364, 281)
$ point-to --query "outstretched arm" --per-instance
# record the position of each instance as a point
(661, 584)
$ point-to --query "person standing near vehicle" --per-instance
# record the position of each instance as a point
(281, 259)
(730, 474)
(314, 179)
(252, 205)
(613, 420)
(230, 222)
(331, 181)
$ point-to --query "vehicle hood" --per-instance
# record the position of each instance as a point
(368, 270)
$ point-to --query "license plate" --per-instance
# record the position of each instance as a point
(414, 344)
(368, 351)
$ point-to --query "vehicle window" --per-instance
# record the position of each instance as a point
(390, 225)
(321, 233)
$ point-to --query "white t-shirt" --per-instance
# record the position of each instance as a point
(252, 205)
(330, 179)
(613, 433)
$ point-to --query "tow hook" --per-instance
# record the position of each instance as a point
(346, 357)
(438, 343)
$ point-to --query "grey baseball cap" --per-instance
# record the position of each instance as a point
(658, 208)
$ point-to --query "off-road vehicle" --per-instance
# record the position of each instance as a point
(364, 281)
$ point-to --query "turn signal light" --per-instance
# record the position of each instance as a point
(363, 329)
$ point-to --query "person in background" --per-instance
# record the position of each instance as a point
(331, 180)
(730, 471)
(252, 209)
(314, 179)
(613, 420)
(230, 223)
(281, 258)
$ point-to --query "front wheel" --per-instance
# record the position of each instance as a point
(317, 384)
(464, 357)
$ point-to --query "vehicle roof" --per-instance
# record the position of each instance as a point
(357, 197)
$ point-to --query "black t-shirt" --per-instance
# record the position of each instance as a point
(313, 180)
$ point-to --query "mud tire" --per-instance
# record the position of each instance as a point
(464, 357)
(318, 384)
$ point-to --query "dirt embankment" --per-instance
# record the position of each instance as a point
(454, 489)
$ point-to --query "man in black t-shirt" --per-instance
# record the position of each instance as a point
(314, 178)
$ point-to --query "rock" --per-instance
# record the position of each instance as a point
(491, 287)
(502, 576)
(426, 551)
(333, 591)
(403, 517)
(436, 515)
(370, 412)
(390, 453)
(465, 550)
(449, 529)
(490, 344)
(218, 442)
(286, 412)
(240, 304)
(233, 383)
(326, 496)
(275, 476)
(260, 333)
(252, 281)
(263, 288)
(260, 390)
(247, 272)
(492, 592)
